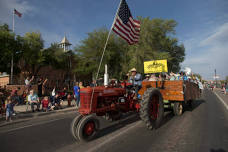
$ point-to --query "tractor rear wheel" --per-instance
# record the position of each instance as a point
(74, 125)
(152, 108)
(87, 128)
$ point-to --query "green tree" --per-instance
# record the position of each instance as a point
(10, 46)
(90, 50)
(32, 58)
(226, 79)
(54, 56)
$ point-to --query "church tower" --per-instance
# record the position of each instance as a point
(65, 44)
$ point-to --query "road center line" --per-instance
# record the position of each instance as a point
(44, 122)
(226, 106)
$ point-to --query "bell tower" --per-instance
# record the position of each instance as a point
(65, 44)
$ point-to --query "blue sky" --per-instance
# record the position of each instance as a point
(202, 24)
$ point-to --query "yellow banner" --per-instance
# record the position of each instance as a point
(155, 66)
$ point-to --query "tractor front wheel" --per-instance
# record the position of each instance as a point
(74, 126)
(87, 128)
(152, 108)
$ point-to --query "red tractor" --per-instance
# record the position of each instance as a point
(110, 102)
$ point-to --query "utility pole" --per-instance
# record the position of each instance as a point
(215, 78)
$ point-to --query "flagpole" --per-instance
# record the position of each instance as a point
(13, 20)
(104, 52)
(11, 75)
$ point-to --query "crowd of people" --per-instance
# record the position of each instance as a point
(172, 76)
(39, 101)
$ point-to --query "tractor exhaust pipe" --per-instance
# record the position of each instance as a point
(106, 76)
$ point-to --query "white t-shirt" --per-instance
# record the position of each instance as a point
(53, 92)
(27, 82)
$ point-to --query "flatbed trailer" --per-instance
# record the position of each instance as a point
(177, 90)
(176, 94)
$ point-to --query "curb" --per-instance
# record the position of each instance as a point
(21, 117)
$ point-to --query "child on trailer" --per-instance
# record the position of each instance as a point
(9, 109)
(45, 103)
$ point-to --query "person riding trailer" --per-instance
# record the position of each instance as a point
(136, 80)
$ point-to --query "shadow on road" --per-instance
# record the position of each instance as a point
(127, 119)
(133, 117)
(194, 105)
(167, 118)
(197, 103)
(217, 150)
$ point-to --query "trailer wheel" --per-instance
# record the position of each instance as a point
(87, 128)
(152, 108)
(74, 125)
(178, 108)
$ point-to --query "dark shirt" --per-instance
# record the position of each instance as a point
(57, 100)
(40, 84)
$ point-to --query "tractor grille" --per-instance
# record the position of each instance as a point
(85, 100)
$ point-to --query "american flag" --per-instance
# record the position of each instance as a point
(125, 26)
(17, 13)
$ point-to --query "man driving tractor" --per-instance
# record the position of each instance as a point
(136, 80)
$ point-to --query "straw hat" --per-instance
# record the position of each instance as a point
(133, 70)
(147, 75)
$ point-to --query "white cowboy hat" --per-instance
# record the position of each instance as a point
(133, 70)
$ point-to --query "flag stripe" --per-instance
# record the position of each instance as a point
(134, 24)
(121, 32)
(137, 22)
(126, 28)
(124, 33)
(121, 36)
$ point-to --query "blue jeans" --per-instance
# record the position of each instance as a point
(77, 99)
(137, 88)
(9, 113)
(37, 104)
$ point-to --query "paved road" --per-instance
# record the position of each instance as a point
(204, 129)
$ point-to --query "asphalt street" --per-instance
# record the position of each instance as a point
(202, 129)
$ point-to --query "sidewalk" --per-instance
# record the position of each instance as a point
(221, 95)
(25, 112)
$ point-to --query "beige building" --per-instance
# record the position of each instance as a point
(4, 79)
